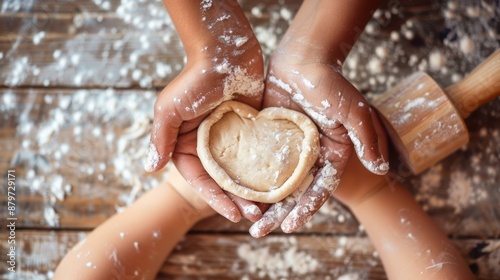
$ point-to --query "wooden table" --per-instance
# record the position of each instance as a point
(78, 80)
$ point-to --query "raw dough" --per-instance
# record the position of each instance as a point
(260, 156)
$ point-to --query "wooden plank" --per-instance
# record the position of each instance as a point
(233, 256)
(61, 155)
(90, 6)
(126, 45)
(86, 45)
(61, 6)
(461, 197)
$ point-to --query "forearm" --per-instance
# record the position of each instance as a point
(408, 241)
(326, 30)
(217, 28)
(134, 243)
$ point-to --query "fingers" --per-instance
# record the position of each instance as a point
(161, 145)
(330, 102)
(275, 215)
(382, 135)
(164, 132)
(325, 182)
(248, 209)
(179, 108)
(191, 169)
(272, 218)
(360, 121)
(276, 98)
(254, 101)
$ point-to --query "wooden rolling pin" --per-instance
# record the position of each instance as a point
(425, 122)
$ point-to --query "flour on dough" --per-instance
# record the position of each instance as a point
(260, 156)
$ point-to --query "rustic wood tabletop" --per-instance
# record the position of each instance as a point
(78, 79)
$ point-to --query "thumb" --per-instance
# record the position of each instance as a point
(361, 126)
(164, 134)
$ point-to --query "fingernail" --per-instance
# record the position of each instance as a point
(294, 221)
(252, 210)
(255, 230)
(232, 213)
(384, 167)
(289, 223)
(153, 158)
(286, 228)
(379, 166)
(232, 218)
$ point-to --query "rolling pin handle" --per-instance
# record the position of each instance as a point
(479, 87)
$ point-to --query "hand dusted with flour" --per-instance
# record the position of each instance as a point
(304, 74)
(224, 62)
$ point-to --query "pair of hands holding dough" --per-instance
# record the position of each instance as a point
(341, 114)
(298, 80)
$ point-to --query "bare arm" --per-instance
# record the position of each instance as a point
(409, 242)
(135, 243)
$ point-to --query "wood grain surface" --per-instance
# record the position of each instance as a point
(78, 80)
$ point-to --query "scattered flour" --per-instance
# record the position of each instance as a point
(350, 276)
(70, 146)
(261, 260)
(467, 45)
(462, 192)
(240, 41)
(436, 60)
(206, 4)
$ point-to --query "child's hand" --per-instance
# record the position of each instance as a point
(224, 61)
(182, 106)
(345, 121)
(357, 183)
(305, 75)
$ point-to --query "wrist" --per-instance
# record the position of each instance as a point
(186, 205)
(370, 196)
(191, 206)
(325, 31)
(356, 194)
(358, 185)
(297, 49)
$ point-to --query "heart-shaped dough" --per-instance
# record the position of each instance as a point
(260, 156)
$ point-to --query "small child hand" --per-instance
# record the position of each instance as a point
(305, 75)
(345, 120)
(224, 61)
